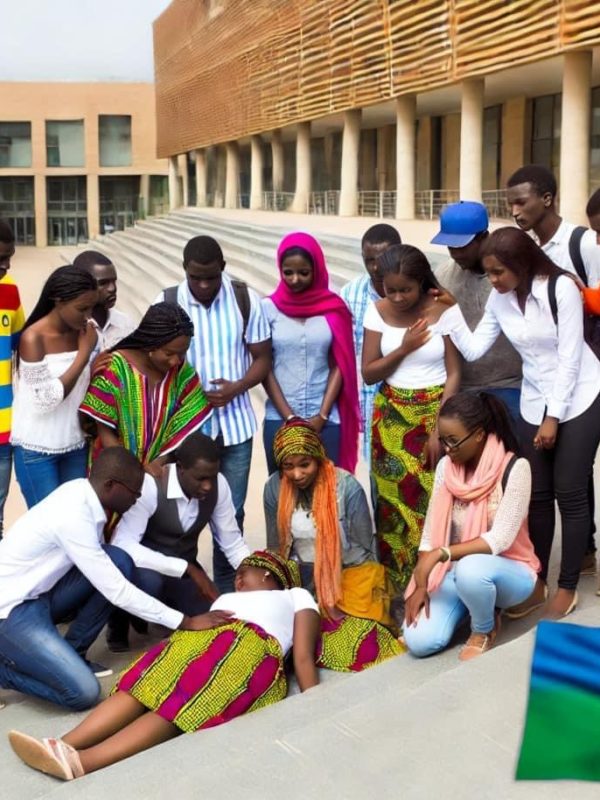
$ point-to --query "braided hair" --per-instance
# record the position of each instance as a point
(65, 283)
(162, 323)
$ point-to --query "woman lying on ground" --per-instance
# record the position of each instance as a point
(317, 514)
(196, 679)
(475, 555)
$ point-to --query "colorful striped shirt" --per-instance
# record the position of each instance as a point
(358, 294)
(12, 320)
(218, 350)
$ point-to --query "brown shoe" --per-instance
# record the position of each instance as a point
(479, 643)
(535, 600)
(589, 565)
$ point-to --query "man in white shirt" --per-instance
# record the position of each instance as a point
(113, 325)
(53, 563)
(231, 352)
(531, 195)
(160, 532)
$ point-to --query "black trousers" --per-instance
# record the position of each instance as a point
(563, 473)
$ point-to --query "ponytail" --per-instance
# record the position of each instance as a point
(483, 410)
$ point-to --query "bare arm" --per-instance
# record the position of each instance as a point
(276, 396)
(453, 369)
(108, 435)
(224, 391)
(375, 366)
(307, 624)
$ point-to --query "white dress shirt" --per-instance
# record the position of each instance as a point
(118, 325)
(561, 375)
(66, 529)
(132, 526)
(558, 250)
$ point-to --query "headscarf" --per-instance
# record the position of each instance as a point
(162, 323)
(475, 491)
(285, 571)
(319, 300)
(296, 438)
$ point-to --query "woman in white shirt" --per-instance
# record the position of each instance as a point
(475, 555)
(197, 679)
(560, 404)
(52, 377)
(418, 368)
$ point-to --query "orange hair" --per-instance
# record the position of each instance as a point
(328, 556)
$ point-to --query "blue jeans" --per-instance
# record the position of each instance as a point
(5, 472)
(39, 474)
(330, 436)
(512, 400)
(475, 587)
(34, 657)
(235, 468)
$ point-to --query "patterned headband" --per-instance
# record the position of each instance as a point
(296, 438)
(287, 573)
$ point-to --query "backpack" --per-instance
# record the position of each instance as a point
(242, 298)
(591, 323)
(507, 471)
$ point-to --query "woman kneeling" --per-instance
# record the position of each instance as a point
(197, 678)
(475, 556)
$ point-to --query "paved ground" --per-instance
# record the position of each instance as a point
(406, 729)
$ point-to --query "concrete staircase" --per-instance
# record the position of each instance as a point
(149, 255)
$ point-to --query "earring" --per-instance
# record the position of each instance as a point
(265, 576)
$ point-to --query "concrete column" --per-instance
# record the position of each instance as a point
(221, 179)
(383, 143)
(512, 154)
(232, 175)
(185, 179)
(145, 194)
(256, 172)
(349, 171)
(278, 161)
(471, 139)
(93, 204)
(303, 169)
(575, 135)
(174, 201)
(41, 210)
(201, 178)
(406, 107)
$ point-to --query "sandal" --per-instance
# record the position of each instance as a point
(479, 643)
(51, 756)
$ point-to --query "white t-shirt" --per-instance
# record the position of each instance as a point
(419, 369)
(273, 611)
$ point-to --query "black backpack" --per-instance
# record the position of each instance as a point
(591, 323)
(242, 297)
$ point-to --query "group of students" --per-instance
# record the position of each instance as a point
(466, 461)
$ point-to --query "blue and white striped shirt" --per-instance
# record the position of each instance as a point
(357, 295)
(218, 350)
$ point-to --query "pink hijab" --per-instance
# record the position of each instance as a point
(319, 300)
(475, 491)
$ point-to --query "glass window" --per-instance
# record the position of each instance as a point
(64, 143)
(595, 141)
(492, 145)
(114, 134)
(15, 144)
(545, 134)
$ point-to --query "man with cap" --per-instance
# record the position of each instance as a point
(463, 230)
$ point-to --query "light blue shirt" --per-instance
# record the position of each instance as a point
(300, 361)
(358, 294)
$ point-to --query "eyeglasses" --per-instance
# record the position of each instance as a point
(136, 494)
(452, 446)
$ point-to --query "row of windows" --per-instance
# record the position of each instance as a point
(65, 146)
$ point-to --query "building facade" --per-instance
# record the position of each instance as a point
(384, 107)
(78, 159)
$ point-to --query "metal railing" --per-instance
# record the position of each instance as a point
(277, 201)
(496, 203)
(325, 202)
(430, 202)
(377, 204)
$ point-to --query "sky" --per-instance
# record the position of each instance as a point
(78, 40)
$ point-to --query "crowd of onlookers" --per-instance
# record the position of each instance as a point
(471, 390)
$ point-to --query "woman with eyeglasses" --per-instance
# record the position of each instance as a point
(475, 555)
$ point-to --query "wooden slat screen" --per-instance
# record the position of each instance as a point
(229, 68)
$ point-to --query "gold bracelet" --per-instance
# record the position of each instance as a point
(445, 551)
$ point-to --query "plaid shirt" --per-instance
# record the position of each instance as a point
(358, 294)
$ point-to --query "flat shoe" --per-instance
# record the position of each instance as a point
(479, 643)
(39, 755)
(558, 615)
(527, 606)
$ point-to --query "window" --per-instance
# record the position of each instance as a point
(545, 135)
(114, 133)
(595, 141)
(15, 144)
(492, 144)
(64, 143)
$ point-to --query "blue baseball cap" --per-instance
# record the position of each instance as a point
(460, 223)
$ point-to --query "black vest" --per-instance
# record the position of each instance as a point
(164, 532)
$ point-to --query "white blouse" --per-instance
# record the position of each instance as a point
(44, 419)
(273, 611)
(506, 511)
(424, 367)
(561, 375)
